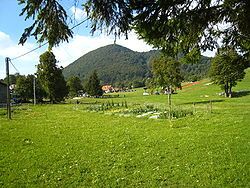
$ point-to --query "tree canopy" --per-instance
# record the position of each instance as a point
(93, 86)
(173, 26)
(51, 78)
(50, 22)
(12, 78)
(166, 72)
(74, 85)
(227, 68)
(24, 89)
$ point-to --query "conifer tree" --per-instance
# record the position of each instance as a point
(74, 85)
(51, 78)
(93, 86)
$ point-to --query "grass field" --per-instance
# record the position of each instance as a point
(67, 146)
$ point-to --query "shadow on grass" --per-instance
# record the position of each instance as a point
(242, 93)
(204, 102)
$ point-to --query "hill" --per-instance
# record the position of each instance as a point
(116, 64)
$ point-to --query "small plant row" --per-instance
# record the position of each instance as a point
(149, 111)
(176, 113)
(107, 106)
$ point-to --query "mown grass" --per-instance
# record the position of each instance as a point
(67, 146)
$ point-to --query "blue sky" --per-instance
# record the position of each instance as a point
(12, 26)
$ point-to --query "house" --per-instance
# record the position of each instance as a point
(3, 93)
(108, 89)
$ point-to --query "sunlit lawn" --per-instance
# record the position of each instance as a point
(67, 146)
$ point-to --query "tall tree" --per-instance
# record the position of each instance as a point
(227, 68)
(174, 26)
(51, 78)
(74, 85)
(93, 86)
(167, 74)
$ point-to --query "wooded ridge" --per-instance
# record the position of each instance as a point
(116, 64)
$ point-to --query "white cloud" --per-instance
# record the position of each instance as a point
(66, 53)
(80, 45)
(77, 13)
(9, 48)
(134, 43)
(209, 53)
(4, 37)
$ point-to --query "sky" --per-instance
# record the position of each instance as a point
(12, 26)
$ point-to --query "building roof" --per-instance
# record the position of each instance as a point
(107, 87)
(1, 83)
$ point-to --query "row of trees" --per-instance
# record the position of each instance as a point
(50, 84)
(92, 85)
(47, 83)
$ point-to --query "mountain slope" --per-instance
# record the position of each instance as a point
(117, 64)
(113, 63)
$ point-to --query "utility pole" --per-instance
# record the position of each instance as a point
(34, 89)
(7, 60)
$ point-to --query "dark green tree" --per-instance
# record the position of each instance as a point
(12, 78)
(93, 86)
(74, 85)
(50, 22)
(227, 68)
(51, 78)
(167, 74)
(150, 85)
(25, 88)
(174, 26)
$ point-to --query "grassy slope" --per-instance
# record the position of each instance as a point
(62, 145)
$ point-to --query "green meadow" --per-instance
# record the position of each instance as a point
(66, 145)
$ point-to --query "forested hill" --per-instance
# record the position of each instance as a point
(116, 64)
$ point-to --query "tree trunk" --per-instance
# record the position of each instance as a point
(226, 89)
(169, 101)
(169, 95)
(230, 89)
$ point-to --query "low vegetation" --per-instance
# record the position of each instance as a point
(65, 145)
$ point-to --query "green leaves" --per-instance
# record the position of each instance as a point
(49, 22)
(111, 16)
(25, 88)
(227, 68)
(166, 72)
(74, 85)
(172, 26)
(93, 86)
(51, 78)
